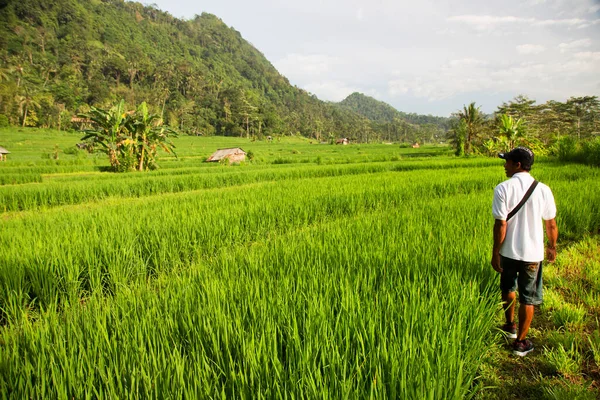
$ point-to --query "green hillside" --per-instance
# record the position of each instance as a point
(383, 114)
(60, 57)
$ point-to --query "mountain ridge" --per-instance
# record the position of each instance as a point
(380, 111)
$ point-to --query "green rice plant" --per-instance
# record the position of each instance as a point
(344, 280)
(594, 342)
(564, 361)
(15, 179)
(566, 390)
(568, 315)
(552, 298)
(321, 318)
(563, 338)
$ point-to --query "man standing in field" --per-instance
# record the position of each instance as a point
(519, 242)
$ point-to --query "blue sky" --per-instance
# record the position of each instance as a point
(427, 57)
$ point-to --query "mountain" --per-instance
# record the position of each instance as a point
(396, 125)
(380, 111)
(58, 58)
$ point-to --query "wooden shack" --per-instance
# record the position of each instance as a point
(3, 153)
(235, 154)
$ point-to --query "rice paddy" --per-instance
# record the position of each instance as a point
(315, 271)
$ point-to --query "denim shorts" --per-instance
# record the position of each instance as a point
(526, 275)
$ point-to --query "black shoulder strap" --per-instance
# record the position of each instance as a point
(523, 200)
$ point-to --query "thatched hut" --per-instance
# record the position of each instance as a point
(3, 153)
(235, 154)
(81, 123)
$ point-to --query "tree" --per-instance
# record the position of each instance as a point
(473, 119)
(520, 107)
(458, 136)
(26, 102)
(585, 113)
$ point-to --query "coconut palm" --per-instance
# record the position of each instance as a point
(473, 121)
(457, 135)
(26, 102)
(4, 74)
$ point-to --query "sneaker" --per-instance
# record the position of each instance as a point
(522, 347)
(510, 330)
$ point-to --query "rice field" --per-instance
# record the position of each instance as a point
(315, 271)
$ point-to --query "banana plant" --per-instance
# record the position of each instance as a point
(130, 139)
(511, 129)
(148, 133)
(108, 131)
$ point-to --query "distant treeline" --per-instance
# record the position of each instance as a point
(569, 130)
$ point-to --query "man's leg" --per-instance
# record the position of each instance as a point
(530, 293)
(509, 300)
(525, 318)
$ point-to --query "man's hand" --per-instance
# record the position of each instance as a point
(552, 233)
(496, 262)
(499, 235)
(550, 254)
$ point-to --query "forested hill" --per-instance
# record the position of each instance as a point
(60, 57)
(379, 111)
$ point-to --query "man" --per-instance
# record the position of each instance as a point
(519, 243)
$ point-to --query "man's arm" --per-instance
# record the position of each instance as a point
(552, 234)
(499, 236)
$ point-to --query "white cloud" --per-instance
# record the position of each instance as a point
(491, 22)
(588, 55)
(298, 66)
(467, 62)
(360, 15)
(331, 90)
(459, 77)
(574, 45)
(530, 49)
(485, 22)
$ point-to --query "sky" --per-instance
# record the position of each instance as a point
(427, 57)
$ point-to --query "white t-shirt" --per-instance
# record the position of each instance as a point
(525, 230)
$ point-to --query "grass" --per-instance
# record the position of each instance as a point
(313, 271)
(565, 363)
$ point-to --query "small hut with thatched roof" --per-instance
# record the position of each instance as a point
(233, 155)
(3, 153)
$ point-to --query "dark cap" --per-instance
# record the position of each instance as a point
(519, 154)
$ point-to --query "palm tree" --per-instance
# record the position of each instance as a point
(20, 71)
(474, 121)
(4, 74)
(26, 102)
(458, 136)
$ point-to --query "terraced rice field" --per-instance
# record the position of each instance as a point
(314, 272)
